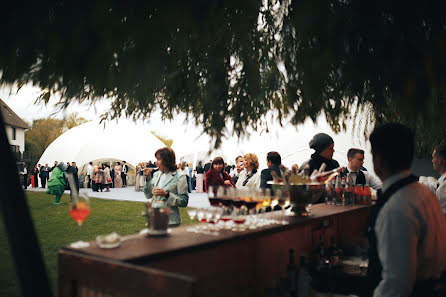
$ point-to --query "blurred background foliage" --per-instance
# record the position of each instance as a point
(44, 131)
(230, 64)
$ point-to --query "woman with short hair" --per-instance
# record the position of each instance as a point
(250, 176)
(167, 187)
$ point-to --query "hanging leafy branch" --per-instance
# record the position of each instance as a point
(227, 63)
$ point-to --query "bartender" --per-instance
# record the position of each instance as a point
(355, 161)
(323, 145)
(406, 228)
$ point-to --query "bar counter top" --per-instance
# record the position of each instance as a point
(191, 264)
(142, 247)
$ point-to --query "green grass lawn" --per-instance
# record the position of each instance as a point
(55, 229)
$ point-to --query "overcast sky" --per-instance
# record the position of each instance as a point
(22, 103)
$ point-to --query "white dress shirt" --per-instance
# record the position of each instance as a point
(254, 181)
(370, 179)
(89, 169)
(411, 241)
(441, 192)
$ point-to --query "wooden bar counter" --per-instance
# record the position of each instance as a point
(190, 264)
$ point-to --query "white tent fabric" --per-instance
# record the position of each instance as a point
(123, 140)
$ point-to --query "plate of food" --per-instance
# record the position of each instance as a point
(109, 241)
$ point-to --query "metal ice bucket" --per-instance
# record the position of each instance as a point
(157, 220)
(301, 196)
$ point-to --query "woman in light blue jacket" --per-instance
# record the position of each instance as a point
(167, 187)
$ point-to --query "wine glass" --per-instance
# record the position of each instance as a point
(201, 215)
(274, 202)
(79, 204)
(274, 199)
(226, 201)
(213, 217)
(239, 220)
(283, 199)
(80, 208)
(192, 212)
(266, 199)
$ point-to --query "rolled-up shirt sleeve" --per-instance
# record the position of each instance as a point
(441, 195)
(373, 181)
(397, 236)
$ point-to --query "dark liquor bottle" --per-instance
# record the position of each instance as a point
(334, 253)
(303, 279)
(323, 256)
(291, 275)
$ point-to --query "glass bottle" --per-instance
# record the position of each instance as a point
(303, 279)
(291, 275)
(348, 191)
(339, 191)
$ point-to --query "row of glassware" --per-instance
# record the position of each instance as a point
(238, 210)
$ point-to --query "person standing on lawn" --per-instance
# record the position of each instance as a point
(57, 183)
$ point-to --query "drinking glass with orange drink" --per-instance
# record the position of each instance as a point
(80, 209)
(79, 205)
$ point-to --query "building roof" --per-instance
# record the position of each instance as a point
(10, 117)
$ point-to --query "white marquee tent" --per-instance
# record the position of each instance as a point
(121, 141)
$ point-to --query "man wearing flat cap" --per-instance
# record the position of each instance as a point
(323, 145)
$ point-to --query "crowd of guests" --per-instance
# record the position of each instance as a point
(41, 174)
(103, 176)
(100, 176)
(245, 172)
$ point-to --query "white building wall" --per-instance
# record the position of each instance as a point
(20, 137)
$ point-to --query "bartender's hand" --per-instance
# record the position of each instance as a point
(227, 182)
(159, 192)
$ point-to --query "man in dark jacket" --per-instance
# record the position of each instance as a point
(55, 165)
(273, 161)
(73, 170)
(323, 145)
(44, 174)
(124, 172)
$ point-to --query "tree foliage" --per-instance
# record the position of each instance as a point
(44, 131)
(227, 63)
(73, 120)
